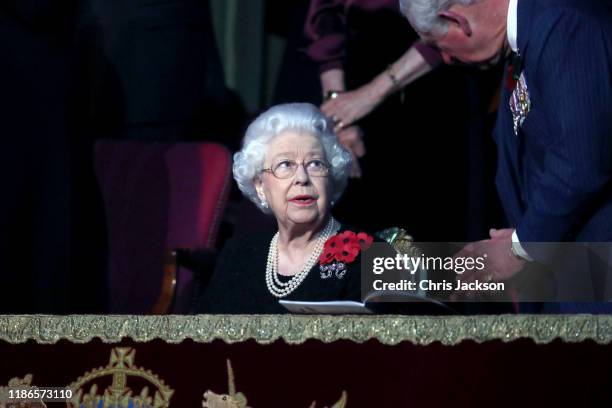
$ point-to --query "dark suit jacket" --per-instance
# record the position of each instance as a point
(555, 177)
(153, 61)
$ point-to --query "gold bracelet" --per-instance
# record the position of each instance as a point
(392, 77)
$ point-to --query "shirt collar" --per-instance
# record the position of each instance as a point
(512, 25)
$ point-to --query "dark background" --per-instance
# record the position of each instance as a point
(79, 71)
(493, 373)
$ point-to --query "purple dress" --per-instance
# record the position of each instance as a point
(330, 23)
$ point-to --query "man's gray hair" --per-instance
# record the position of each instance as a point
(423, 14)
(302, 118)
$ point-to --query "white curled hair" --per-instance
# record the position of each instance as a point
(302, 118)
(423, 14)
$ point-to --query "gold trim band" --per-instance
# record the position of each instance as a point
(295, 329)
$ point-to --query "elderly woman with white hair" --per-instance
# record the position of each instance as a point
(291, 166)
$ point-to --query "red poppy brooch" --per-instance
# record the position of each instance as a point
(342, 249)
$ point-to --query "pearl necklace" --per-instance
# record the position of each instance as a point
(281, 289)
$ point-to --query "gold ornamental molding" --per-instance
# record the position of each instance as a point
(295, 329)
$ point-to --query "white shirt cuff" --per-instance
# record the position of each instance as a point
(518, 249)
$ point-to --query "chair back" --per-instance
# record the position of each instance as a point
(158, 196)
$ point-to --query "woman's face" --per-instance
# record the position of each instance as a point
(301, 198)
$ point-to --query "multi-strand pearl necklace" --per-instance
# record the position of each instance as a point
(281, 289)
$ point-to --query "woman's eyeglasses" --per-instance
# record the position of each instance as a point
(287, 168)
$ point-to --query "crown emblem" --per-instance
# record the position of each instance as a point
(118, 394)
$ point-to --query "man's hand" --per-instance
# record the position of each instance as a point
(352, 139)
(500, 263)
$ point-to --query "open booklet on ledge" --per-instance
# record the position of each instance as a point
(330, 307)
(374, 303)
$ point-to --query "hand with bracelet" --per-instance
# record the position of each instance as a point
(347, 107)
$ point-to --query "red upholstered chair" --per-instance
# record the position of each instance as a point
(158, 197)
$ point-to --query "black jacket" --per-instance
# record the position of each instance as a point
(238, 285)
